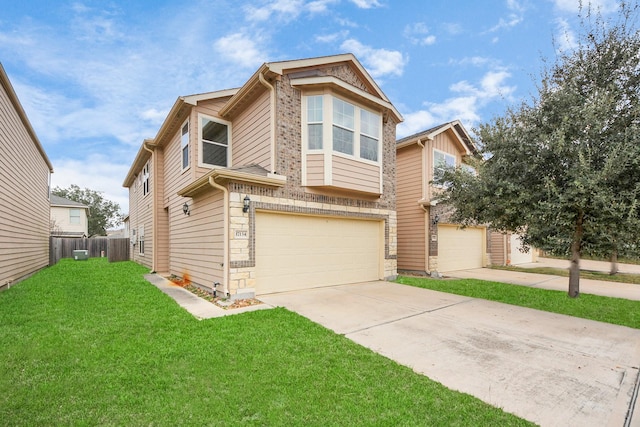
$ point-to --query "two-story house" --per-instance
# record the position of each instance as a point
(69, 218)
(25, 177)
(287, 182)
(427, 239)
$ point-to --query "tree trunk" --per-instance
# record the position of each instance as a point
(614, 262)
(574, 269)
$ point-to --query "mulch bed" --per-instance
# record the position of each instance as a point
(221, 302)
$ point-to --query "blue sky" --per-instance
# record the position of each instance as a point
(97, 77)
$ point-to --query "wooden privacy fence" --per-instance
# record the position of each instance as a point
(116, 249)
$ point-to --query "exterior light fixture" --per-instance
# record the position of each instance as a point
(436, 220)
(185, 209)
(245, 204)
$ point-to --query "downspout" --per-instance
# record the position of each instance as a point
(153, 212)
(272, 95)
(225, 251)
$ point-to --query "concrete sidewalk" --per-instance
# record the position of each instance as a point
(198, 307)
(546, 281)
(585, 264)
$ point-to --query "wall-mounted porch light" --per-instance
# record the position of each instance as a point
(185, 209)
(246, 202)
(436, 220)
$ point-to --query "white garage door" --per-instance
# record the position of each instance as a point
(298, 252)
(518, 257)
(460, 249)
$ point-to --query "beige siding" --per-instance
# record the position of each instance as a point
(315, 169)
(252, 134)
(498, 248)
(412, 230)
(24, 181)
(140, 215)
(60, 220)
(161, 232)
(355, 175)
(197, 240)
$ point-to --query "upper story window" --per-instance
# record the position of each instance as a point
(314, 122)
(335, 124)
(184, 144)
(74, 216)
(145, 179)
(441, 161)
(215, 139)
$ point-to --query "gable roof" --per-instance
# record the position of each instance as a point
(239, 97)
(454, 126)
(58, 201)
(270, 71)
(6, 84)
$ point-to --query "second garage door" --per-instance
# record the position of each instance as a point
(460, 249)
(297, 252)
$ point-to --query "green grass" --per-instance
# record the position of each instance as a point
(604, 309)
(92, 343)
(585, 274)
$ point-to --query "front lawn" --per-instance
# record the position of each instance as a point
(604, 309)
(92, 343)
(584, 274)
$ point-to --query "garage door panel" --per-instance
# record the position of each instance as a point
(460, 249)
(295, 252)
(518, 257)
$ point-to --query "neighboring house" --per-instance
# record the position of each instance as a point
(427, 239)
(68, 218)
(505, 250)
(24, 188)
(287, 182)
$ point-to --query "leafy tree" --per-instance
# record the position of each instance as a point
(564, 169)
(103, 213)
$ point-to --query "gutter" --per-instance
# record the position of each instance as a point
(153, 211)
(272, 95)
(225, 252)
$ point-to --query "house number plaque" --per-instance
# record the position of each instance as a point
(241, 234)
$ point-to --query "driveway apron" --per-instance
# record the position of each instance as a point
(548, 368)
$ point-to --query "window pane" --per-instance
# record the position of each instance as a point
(74, 216)
(315, 136)
(368, 148)
(214, 154)
(314, 108)
(185, 157)
(343, 113)
(214, 131)
(342, 140)
(185, 134)
(370, 123)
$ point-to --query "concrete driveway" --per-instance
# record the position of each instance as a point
(551, 369)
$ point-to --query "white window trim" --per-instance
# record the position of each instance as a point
(200, 147)
(79, 216)
(189, 146)
(145, 179)
(141, 240)
(433, 169)
(327, 128)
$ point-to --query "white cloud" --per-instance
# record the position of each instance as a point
(465, 105)
(565, 38)
(379, 62)
(241, 49)
(332, 38)
(513, 18)
(97, 172)
(366, 4)
(283, 10)
(418, 33)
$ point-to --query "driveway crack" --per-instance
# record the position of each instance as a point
(410, 316)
